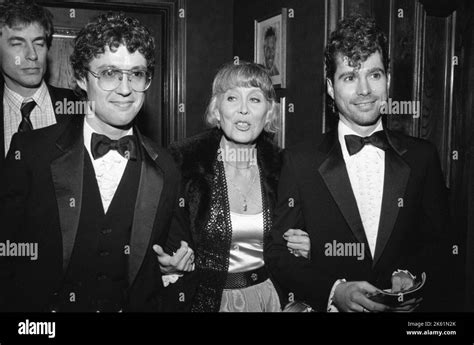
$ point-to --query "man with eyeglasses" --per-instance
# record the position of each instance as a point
(101, 194)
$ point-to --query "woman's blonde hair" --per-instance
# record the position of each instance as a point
(243, 74)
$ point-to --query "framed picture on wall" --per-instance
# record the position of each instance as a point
(270, 46)
(281, 113)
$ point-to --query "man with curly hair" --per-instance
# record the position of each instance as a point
(26, 101)
(373, 201)
(94, 194)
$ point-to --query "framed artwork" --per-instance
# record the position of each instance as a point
(281, 113)
(270, 46)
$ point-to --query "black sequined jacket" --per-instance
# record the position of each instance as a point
(203, 218)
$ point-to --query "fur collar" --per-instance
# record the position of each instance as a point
(196, 155)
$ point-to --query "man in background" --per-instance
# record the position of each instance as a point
(27, 102)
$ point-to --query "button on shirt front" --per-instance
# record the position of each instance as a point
(366, 170)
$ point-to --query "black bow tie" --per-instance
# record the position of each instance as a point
(355, 143)
(126, 146)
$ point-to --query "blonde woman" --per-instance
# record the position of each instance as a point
(229, 183)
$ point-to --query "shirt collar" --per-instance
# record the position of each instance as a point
(39, 96)
(343, 129)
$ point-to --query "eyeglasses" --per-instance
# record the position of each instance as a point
(110, 79)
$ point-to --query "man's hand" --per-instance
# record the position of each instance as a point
(181, 261)
(352, 297)
(299, 243)
(407, 306)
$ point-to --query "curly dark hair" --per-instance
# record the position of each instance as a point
(356, 37)
(111, 30)
(24, 12)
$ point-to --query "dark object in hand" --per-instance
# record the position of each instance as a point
(298, 307)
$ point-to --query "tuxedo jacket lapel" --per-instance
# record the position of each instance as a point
(67, 174)
(396, 177)
(146, 206)
(334, 173)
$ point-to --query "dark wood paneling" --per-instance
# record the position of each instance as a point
(209, 28)
(466, 220)
(363, 7)
(462, 169)
(435, 121)
(305, 64)
(381, 13)
(421, 57)
(402, 62)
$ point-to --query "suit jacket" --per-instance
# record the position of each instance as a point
(56, 94)
(41, 202)
(315, 195)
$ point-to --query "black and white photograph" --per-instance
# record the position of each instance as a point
(270, 46)
(236, 171)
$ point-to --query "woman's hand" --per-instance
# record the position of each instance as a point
(181, 261)
(298, 243)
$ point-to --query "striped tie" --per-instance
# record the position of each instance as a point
(26, 109)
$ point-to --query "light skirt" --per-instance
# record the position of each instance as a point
(257, 298)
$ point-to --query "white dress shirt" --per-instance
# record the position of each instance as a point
(366, 170)
(108, 168)
(41, 116)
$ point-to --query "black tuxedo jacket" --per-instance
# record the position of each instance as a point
(40, 202)
(315, 195)
(56, 94)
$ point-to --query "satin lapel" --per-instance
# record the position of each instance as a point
(396, 177)
(67, 172)
(334, 173)
(146, 207)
